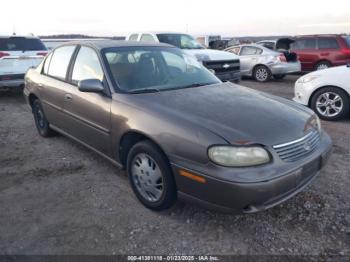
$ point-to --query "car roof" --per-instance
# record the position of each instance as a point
(102, 44)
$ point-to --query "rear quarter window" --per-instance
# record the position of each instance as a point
(347, 40)
(21, 44)
(327, 43)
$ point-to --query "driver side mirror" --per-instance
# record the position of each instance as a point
(90, 85)
(348, 65)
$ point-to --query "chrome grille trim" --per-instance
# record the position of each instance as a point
(299, 148)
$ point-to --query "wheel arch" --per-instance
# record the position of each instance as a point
(320, 61)
(31, 98)
(255, 66)
(129, 139)
(320, 88)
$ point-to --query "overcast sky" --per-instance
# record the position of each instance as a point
(225, 17)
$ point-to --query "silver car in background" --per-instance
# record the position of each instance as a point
(262, 63)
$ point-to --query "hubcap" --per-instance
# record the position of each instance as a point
(261, 74)
(329, 104)
(147, 177)
(322, 66)
(40, 117)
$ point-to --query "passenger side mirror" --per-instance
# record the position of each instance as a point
(348, 65)
(90, 85)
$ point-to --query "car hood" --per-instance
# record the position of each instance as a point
(232, 112)
(210, 54)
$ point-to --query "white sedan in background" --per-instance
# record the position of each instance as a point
(327, 92)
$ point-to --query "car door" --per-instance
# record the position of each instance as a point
(52, 84)
(248, 57)
(87, 113)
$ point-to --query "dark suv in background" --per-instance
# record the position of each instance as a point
(322, 51)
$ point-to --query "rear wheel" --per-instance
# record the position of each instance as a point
(150, 176)
(279, 76)
(322, 65)
(41, 122)
(261, 73)
(330, 103)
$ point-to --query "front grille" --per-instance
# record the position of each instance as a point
(297, 149)
(224, 66)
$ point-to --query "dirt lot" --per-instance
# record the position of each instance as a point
(56, 197)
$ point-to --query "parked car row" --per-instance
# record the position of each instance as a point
(224, 65)
(315, 52)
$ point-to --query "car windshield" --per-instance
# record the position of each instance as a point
(347, 40)
(21, 44)
(153, 69)
(180, 40)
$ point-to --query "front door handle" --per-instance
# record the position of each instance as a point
(68, 97)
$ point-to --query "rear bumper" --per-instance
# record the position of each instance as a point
(251, 197)
(8, 81)
(285, 68)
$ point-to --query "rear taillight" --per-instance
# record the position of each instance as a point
(42, 53)
(282, 58)
(2, 54)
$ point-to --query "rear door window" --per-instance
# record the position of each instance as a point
(305, 43)
(87, 66)
(60, 61)
(133, 37)
(327, 43)
(250, 50)
(21, 44)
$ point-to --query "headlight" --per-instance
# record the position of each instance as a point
(315, 123)
(307, 78)
(238, 156)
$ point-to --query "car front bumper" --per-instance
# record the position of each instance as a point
(250, 197)
(229, 76)
(303, 92)
(285, 68)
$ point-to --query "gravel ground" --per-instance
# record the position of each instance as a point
(56, 197)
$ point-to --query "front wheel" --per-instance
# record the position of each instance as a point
(330, 103)
(150, 176)
(261, 73)
(41, 122)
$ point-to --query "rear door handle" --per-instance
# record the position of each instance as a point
(68, 97)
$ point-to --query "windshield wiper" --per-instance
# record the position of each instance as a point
(143, 90)
(191, 85)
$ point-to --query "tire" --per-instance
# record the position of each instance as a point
(322, 65)
(261, 73)
(279, 76)
(320, 103)
(41, 122)
(150, 176)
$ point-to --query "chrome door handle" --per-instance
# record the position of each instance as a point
(68, 97)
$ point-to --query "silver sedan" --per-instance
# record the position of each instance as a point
(262, 63)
